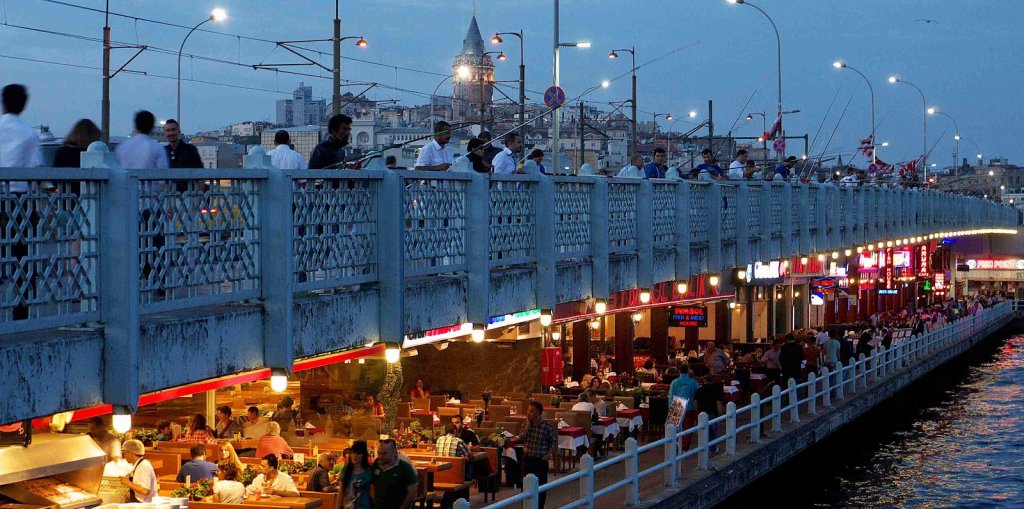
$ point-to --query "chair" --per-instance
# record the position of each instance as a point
(629, 401)
(403, 410)
(328, 500)
(445, 413)
(511, 426)
(544, 399)
(437, 401)
(421, 404)
(498, 412)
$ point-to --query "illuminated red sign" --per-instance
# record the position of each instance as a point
(923, 268)
(688, 316)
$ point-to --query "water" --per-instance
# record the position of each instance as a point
(954, 439)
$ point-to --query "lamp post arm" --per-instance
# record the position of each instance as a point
(180, 50)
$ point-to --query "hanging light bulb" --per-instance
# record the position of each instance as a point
(796, 293)
(122, 420)
(741, 274)
(848, 252)
(732, 304)
(392, 352)
(545, 318)
(681, 288)
(713, 280)
(600, 306)
(279, 380)
(803, 260)
(594, 324)
(478, 332)
(821, 257)
(637, 317)
(645, 295)
(835, 255)
(555, 335)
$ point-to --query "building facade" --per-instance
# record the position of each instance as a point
(472, 78)
(302, 108)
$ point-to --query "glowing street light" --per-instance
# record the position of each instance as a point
(218, 15)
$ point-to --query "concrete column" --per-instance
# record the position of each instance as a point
(580, 349)
(723, 321)
(659, 334)
(623, 343)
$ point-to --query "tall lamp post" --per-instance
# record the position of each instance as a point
(764, 129)
(556, 142)
(463, 73)
(522, 79)
(778, 58)
(632, 54)
(924, 122)
(654, 118)
(956, 137)
(215, 15)
(691, 115)
(978, 153)
(838, 64)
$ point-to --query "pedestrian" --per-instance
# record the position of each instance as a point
(475, 153)
(738, 166)
(791, 355)
(180, 153)
(783, 169)
(632, 170)
(19, 142)
(505, 161)
(356, 478)
(436, 156)
(770, 359)
(830, 350)
(656, 169)
(391, 163)
(685, 388)
(142, 481)
(811, 355)
(283, 156)
(539, 441)
(864, 343)
(537, 156)
(394, 481)
(69, 155)
(710, 398)
(714, 171)
(141, 152)
(331, 153)
(490, 150)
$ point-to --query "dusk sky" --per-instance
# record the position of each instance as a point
(968, 61)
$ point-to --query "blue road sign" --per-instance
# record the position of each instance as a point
(554, 97)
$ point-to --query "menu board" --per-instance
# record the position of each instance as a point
(688, 316)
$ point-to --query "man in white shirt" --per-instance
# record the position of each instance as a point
(505, 162)
(272, 481)
(436, 156)
(283, 157)
(737, 167)
(632, 170)
(19, 142)
(141, 152)
(142, 481)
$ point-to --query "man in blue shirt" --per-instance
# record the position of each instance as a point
(783, 169)
(686, 388)
(197, 468)
(709, 165)
(656, 169)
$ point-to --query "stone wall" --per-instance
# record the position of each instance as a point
(505, 368)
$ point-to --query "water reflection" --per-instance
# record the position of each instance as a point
(956, 440)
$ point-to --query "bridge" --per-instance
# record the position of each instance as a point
(112, 276)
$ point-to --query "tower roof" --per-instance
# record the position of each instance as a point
(473, 44)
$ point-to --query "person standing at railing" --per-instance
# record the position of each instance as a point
(783, 169)
(710, 398)
(141, 152)
(436, 155)
(505, 161)
(791, 355)
(656, 169)
(19, 142)
(331, 152)
(283, 156)
(830, 352)
(180, 153)
(714, 171)
(539, 440)
(69, 155)
(738, 167)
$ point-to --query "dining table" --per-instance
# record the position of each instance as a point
(425, 470)
(292, 502)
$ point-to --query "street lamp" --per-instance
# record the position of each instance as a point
(522, 78)
(924, 116)
(217, 15)
(956, 137)
(778, 57)
(463, 72)
(692, 114)
(556, 113)
(668, 116)
(632, 53)
(581, 152)
(839, 64)
(977, 149)
(764, 129)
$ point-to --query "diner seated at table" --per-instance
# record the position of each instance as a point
(420, 391)
(375, 407)
(583, 404)
(164, 432)
(753, 357)
(227, 489)
(272, 481)
(284, 415)
(772, 361)
(198, 432)
(716, 359)
(273, 444)
(320, 476)
(465, 432)
(450, 444)
(253, 425)
(228, 453)
(226, 426)
(599, 403)
(196, 468)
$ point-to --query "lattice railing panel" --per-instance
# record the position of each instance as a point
(699, 212)
(334, 231)
(775, 209)
(754, 200)
(730, 205)
(812, 208)
(622, 217)
(435, 225)
(664, 212)
(198, 241)
(572, 219)
(512, 226)
(48, 251)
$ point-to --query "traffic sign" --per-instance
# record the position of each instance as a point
(554, 97)
(779, 145)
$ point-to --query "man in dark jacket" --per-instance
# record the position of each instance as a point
(179, 153)
(790, 357)
(331, 151)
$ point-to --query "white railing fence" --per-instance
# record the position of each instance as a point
(845, 382)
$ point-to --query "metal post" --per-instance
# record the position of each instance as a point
(522, 89)
(635, 148)
(582, 152)
(711, 127)
(336, 74)
(105, 102)
(555, 113)
(180, 49)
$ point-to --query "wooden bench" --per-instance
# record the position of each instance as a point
(170, 462)
(330, 500)
(218, 505)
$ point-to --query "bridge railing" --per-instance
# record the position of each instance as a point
(749, 422)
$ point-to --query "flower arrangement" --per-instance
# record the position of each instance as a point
(292, 468)
(197, 491)
(557, 399)
(247, 475)
(496, 439)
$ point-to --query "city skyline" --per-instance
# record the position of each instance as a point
(946, 59)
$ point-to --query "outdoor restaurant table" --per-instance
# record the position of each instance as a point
(292, 502)
(606, 427)
(426, 469)
(732, 393)
(571, 437)
(629, 419)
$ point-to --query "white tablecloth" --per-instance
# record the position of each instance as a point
(571, 443)
(610, 430)
(630, 424)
